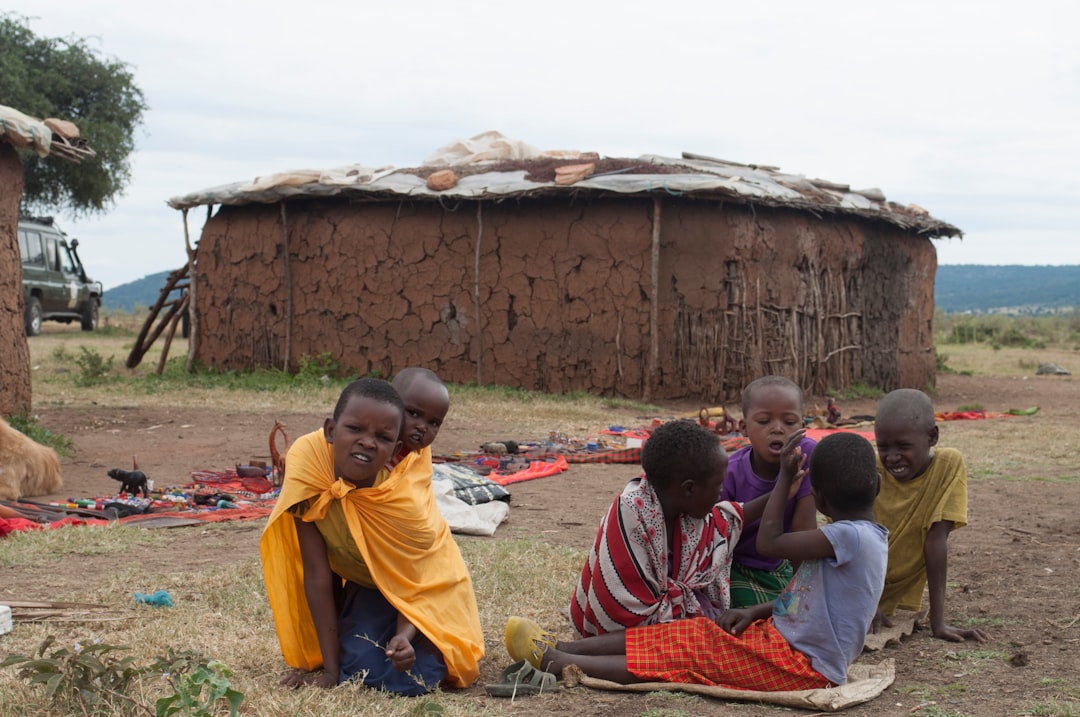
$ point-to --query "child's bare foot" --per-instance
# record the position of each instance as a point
(298, 678)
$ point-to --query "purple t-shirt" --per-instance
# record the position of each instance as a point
(741, 484)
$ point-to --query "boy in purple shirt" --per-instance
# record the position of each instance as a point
(772, 409)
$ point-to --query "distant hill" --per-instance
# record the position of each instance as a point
(1007, 289)
(961, 287)
(143, 292)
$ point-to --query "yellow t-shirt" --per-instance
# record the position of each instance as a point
(908, 509)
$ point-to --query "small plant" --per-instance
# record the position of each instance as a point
(199, 685)
(93, 367)
(1052, 708)
(32, 428)
(318, 368)
(89, 678)
(941, 361)
(60, 353)
(856, 391)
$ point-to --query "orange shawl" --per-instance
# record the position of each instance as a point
(402, 538)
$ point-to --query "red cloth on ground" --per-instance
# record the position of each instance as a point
(11, 525)
(698, 651)
(536, 469)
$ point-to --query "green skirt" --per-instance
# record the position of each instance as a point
(751, 587)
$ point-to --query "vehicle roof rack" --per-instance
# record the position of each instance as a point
(46, 220)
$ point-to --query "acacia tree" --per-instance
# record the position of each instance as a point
(67, 79)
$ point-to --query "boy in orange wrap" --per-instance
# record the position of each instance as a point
(361, 571)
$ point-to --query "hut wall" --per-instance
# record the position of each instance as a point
(14, 349)
(563, 304)
(825, 302)
(565, 293)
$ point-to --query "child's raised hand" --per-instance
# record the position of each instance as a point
(792, 461)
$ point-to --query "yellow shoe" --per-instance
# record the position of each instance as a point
(525, 640)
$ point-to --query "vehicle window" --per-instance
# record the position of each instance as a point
(50, 254)
(31, 248)
(66, 265)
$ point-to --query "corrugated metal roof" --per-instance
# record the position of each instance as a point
(692, 176)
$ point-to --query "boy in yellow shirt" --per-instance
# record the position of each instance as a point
(923, 498)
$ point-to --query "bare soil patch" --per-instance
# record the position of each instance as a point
(1013, 571)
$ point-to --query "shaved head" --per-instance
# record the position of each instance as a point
(907, 405)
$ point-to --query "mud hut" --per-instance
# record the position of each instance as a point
(51, 137)
(654, 277)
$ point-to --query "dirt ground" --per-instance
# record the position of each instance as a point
(1013, 572)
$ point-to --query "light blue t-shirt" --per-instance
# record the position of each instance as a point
(828, 608)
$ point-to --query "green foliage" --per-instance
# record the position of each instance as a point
(941, 362)
(89, 678)
(93, 367)
(320, 368)
(1053, 708)
(33, 428)
(855, 391)
(971, 407)
(67, 79)
(199, 685)
(999, 330)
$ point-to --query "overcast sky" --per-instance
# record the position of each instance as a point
(969, 109)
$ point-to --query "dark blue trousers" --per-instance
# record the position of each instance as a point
(366, 624)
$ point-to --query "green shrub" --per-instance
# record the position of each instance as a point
(30, 426)
(93, 367)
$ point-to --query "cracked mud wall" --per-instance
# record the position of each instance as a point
(826, 302)
(14, 349)
(565, 290)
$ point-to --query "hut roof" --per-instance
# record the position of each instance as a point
(49, 137)
(492, 167)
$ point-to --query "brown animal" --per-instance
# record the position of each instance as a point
(27, 468)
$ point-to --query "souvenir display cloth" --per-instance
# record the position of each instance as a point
(470, 486)
(865, 682)
(536, 469)
(402, 538)
(630, 579)
(611, 455)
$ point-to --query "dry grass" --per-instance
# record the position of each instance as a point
(222, 612)
(55, 371)
(982, 360)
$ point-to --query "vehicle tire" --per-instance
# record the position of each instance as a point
(90, 316)
(33, 316)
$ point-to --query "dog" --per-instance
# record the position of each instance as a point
(131, 482)
(27, 468)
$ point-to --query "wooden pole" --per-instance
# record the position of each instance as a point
(476, 295)
(193, 314)
(654, 303)
(288, 294)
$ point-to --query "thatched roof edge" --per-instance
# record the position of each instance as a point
(693, 177)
